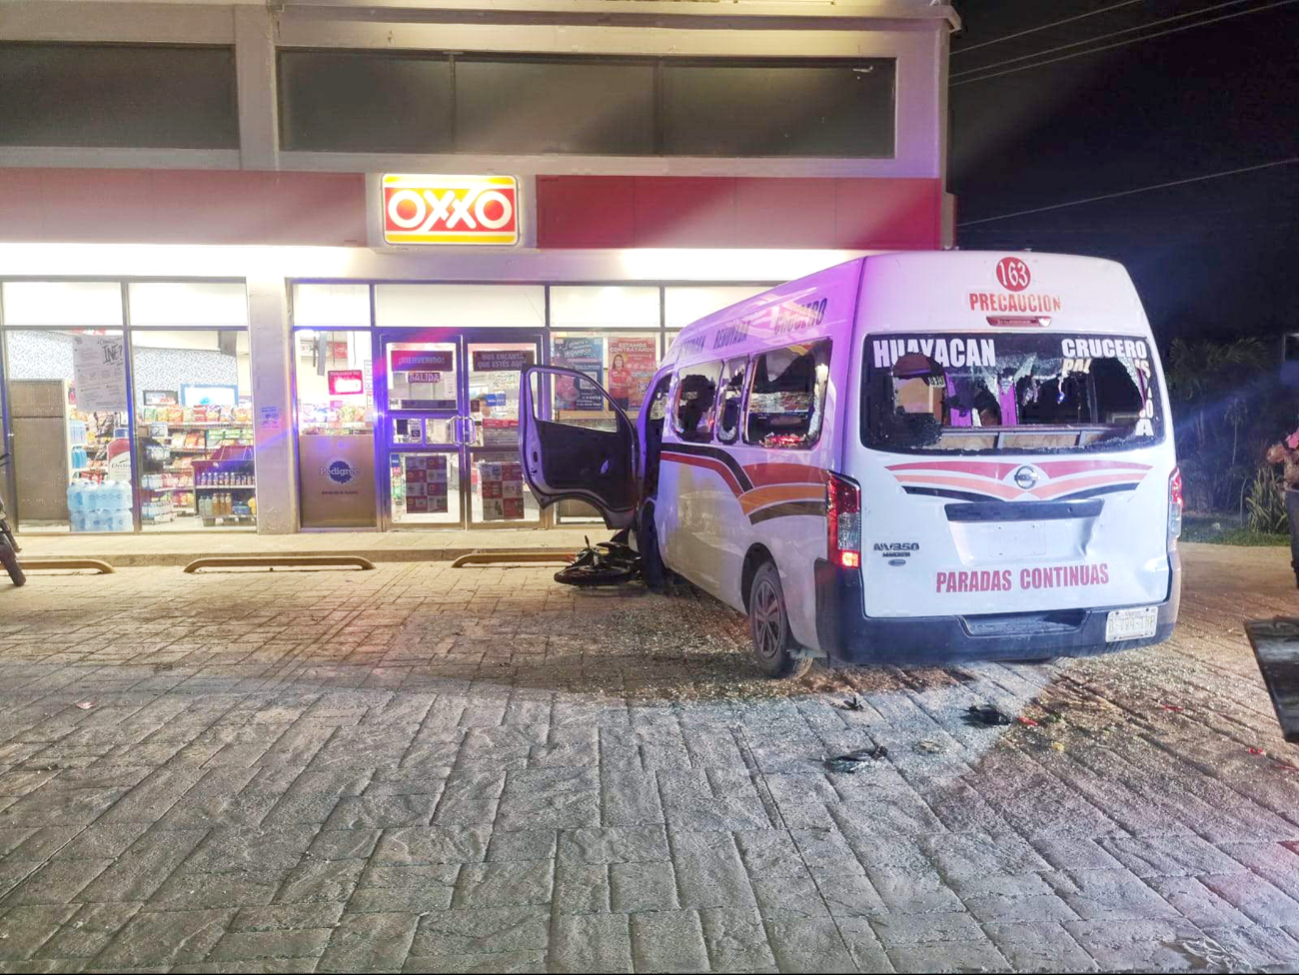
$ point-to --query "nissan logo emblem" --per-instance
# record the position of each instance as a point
(1026, 477)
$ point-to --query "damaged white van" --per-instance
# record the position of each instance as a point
(910, 458)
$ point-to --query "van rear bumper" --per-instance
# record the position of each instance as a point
(847, 635)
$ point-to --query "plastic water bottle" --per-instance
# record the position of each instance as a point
(124, 508)
(76, 514)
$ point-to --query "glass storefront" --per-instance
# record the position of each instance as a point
(84, 360)
(408, 394)
(128, 404)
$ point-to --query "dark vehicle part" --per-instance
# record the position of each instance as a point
(647, 541)
(856, 761)
(608, 563)
(8, 546)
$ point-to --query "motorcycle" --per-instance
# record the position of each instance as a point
(8, 547)
(608, 563)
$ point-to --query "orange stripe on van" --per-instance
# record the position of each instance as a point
(773, 493)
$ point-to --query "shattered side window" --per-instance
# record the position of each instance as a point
(1011, 393)
(786, 404)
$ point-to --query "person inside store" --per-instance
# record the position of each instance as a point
(1287, 453)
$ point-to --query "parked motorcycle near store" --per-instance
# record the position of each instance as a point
(8, 547)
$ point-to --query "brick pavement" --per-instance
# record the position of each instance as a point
(424, 769)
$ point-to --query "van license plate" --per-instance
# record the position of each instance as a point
(1131, 624)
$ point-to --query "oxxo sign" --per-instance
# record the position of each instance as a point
(450, 209)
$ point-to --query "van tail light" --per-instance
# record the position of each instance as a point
(843, 522)
(1175, 505)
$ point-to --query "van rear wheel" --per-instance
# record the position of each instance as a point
(773, 644)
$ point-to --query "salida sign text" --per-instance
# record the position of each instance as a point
(464, 210)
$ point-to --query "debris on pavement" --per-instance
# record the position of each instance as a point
(1057, 746)
(1177, 708)
(85, 705)
(929, 746)
(854, 703)
(986, 714)
(1028, 722)
(856, 761)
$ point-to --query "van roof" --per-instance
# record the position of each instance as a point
(923, 291)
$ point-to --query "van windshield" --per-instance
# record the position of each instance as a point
(1008, 393)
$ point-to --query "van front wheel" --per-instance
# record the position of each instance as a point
(773, 644)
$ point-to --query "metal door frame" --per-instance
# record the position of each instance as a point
(503, 336)
(384, 448)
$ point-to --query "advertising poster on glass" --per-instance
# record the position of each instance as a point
(501, 483)
(585, 355)
(632, 362)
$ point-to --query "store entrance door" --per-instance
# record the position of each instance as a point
(449, 434)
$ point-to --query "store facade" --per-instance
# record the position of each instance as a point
(315, 324)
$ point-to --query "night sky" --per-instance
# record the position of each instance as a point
(1215, 258)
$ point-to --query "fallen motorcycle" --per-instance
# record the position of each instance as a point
(8, 547)
(608, 563)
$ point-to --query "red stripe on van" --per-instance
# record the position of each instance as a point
(988, 469)
(763, 475)
(707, 463)
(1063, 468)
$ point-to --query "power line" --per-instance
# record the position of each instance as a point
(1101, 37)
(1054, 23)
(1142, 189)
(1097, 50)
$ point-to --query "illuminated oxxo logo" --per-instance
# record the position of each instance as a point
(450, 209)
(340, 472)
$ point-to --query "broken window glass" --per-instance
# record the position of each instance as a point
(1010, 393)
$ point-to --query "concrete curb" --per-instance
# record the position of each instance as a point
(123, 560)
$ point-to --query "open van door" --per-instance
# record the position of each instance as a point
(586, 449)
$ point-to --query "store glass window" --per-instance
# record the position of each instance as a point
(215, 304)
(459, 306)
(778, 108)
(87, 304)
(194, 422)
(623, 353)
(334, 378)
(544, 105)
(118, 95)
(365, 101)
(335, 306)
(682, 306)
(605, 306)
(611, 334)
(68, 416)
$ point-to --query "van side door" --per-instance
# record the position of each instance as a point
(584, 447)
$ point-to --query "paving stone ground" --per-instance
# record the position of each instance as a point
(426, 769)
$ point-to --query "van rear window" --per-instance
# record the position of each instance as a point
(1009, 393)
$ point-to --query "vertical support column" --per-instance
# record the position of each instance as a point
(270, 346)
(255, 77)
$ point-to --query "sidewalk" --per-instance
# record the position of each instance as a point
(181, 548)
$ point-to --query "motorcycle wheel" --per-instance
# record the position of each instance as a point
(9, 558)
(595, 575)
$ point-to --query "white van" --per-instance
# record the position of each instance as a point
(910, 458)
